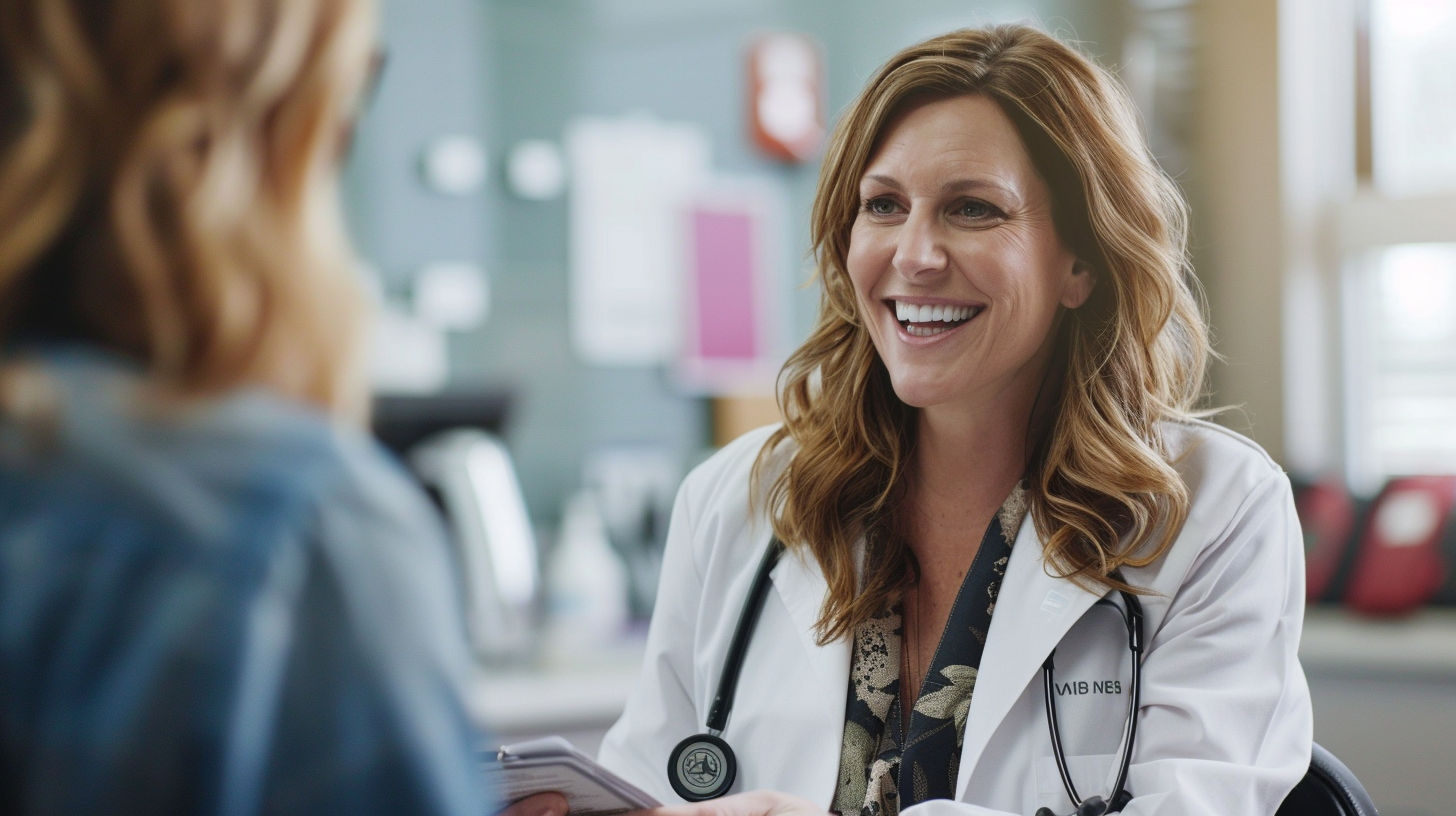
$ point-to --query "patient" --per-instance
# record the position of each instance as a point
(216, 595)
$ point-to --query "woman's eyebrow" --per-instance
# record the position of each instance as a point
(952, 187)
(886, 181)
(976, 185)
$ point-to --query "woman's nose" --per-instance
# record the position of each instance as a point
(919, 250)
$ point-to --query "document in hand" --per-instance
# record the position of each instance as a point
(553, 764)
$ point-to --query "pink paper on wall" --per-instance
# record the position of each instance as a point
(731, 247)
(724, 257)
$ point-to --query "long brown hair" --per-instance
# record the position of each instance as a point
(168, 187)
(1103, 492)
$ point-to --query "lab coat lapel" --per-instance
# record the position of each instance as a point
(802, 588)
(1033, 612)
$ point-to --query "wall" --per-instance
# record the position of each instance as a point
(433, 83)
(514, 69)
(1273, 159)
(1237, 193)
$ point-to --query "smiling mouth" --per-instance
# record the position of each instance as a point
(928, 321)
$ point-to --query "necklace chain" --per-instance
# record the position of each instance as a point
(910, 655)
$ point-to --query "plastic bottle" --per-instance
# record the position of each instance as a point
(586, 584)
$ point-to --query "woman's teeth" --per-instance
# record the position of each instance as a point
(914, 318)
(925, 331)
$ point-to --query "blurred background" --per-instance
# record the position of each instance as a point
(586, 222)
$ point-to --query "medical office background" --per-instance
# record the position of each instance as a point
(586, 225)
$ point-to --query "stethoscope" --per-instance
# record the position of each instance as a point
(1131, 613)
(703, 766)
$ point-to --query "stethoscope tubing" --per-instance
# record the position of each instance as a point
(712, 782)
(1048, 690)
(1133, 618)
(753, 604)
(738, 647)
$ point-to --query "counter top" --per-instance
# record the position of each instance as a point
(1339, 642)
(557, 693)
(589, 691)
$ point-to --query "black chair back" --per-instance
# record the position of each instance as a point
(1328, 789)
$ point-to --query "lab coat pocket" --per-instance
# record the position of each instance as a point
(1089, 774)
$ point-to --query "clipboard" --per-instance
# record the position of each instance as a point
(551, 764)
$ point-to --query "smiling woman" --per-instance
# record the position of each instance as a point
(989, 442)
(1018, 146)
(955, 220)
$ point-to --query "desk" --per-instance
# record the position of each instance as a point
(576, 697)
(1384, 699)
(1385, 703)
(1339, 643)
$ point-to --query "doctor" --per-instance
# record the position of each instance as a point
(988, 435)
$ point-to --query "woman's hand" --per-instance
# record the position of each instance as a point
(542, 804)
(753, 803)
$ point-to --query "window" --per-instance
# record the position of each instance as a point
(1413, 95)
(1403, 341)
(1398, 235)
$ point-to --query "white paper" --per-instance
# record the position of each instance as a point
(627, 175)
(452, 295)
(583, 794)
(406, 355)
(551, 764)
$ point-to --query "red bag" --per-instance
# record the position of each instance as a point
(1329, 517)
(1400, 565)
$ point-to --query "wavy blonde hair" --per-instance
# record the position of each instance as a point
(1103, 492)
(168, 187)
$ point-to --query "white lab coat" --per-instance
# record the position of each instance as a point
(1224, 725)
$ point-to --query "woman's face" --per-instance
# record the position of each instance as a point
(955, 262)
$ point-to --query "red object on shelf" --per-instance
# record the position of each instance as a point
(785, 96)
(1327, 517)
(1400, 566)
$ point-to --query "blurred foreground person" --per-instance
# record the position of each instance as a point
(216, 594)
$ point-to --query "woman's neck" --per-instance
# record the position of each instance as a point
(965, 465)
(961, 455)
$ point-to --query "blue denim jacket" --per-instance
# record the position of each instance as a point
(231, 609)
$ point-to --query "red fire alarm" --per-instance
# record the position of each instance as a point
(786, 81)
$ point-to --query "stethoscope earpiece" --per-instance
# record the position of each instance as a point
(702, 767)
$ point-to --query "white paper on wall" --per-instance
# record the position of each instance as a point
(627, 177)
(406, 355)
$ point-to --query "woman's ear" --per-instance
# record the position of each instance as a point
(1078, 286)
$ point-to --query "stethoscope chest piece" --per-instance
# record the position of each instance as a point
(701, 767)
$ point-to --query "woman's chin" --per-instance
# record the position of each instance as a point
(921, 395)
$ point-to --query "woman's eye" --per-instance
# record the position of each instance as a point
(880, 206)
(976, 210)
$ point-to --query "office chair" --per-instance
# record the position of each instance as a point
(1328, 789)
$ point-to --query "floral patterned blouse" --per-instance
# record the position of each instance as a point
(877, 748)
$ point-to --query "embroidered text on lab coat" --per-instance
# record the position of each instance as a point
(1076, 687)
